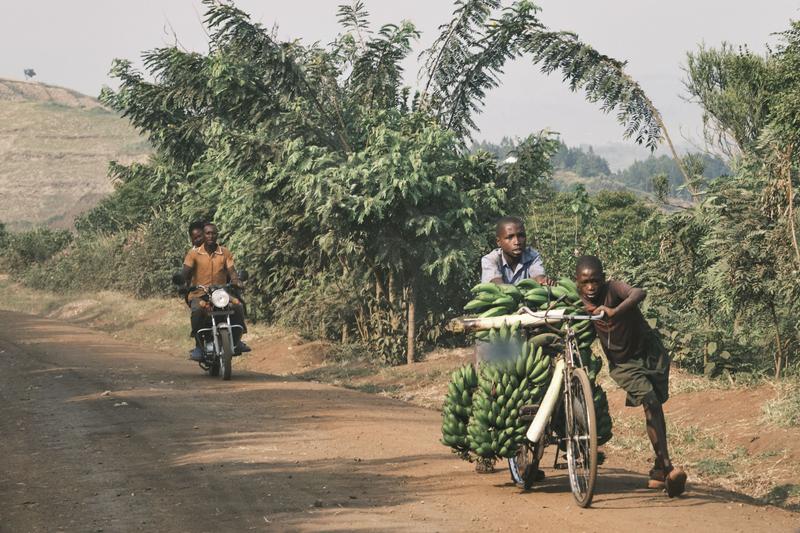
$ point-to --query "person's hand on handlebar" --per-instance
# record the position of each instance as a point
(609, 312)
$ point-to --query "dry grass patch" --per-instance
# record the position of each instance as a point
(784, 409)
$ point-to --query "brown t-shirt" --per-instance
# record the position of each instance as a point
(214, 269)
(622, 337)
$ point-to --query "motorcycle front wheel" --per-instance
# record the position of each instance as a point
(227, 354)
(213, 369)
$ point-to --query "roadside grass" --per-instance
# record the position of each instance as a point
(161, 323)
(784, 409)
(787, 496)
(708, 458)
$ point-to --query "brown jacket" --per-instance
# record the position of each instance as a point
(214, 269)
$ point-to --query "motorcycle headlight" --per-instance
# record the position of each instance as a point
(220, 298)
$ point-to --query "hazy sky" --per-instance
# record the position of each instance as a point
(73, 43)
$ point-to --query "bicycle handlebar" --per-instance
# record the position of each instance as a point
(524, 317)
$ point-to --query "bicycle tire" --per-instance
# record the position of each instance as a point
(581, 426)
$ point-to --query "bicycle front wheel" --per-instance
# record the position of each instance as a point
(581, 438)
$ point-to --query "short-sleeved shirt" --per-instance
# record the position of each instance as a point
(494, 265)
(214, 269)
(624, 336)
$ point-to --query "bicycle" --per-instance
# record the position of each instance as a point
(573, 406)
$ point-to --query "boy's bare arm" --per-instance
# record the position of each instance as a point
(634, 298)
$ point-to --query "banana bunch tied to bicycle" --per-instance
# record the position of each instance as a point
(481, 410)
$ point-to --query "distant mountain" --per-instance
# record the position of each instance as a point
(55, 145)
(633, 167)
(621, 155)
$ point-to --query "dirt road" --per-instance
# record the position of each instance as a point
(99, 435)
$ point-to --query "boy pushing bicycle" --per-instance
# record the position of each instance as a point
(637, 360)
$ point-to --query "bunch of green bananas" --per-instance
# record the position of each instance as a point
(491, 431)
(458, 409)
(505, 334)
(495, 429)
(591, 363)
(564, 294)
(492, 299)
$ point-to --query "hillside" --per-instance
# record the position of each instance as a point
(55, 145)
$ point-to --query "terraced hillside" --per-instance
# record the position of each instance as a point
(55, 145)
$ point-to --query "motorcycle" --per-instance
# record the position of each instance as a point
(219, 339)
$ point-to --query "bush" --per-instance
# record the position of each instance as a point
(34, 247)
(150, 254)
(139, 261)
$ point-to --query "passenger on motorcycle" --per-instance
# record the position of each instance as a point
(196, 233)
(211, 264)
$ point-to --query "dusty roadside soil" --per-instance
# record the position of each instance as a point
(101, 435)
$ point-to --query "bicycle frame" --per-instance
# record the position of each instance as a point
(565, 363)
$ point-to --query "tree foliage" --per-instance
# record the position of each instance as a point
(349, 196)
(737, 254)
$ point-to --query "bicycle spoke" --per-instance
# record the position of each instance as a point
(581, 437)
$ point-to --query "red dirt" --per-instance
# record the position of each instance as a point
(100, 435)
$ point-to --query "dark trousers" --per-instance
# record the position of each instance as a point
(200, 318)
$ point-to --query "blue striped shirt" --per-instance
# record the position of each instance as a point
(494, 265)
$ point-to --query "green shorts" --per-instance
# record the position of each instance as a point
(644, 377)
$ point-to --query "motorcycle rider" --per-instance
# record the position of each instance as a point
(211, 264)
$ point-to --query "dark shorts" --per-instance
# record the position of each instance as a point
(645, 377)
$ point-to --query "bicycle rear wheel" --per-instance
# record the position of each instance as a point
(581, 438)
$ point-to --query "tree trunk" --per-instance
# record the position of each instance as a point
(390, 286)
(790, 195)
(379, 290)
(344, 334)
(778, 356)
(412, 330)
(779, 363)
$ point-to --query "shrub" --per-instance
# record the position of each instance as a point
(35, 246)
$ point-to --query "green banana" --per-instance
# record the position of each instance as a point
(568, 284)
(486, 287)
(494, 311)
(527, 284)
(511, 291)
(486, 296)
(476, 304)
(503, 300)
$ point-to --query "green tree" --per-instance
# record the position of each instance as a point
(325, 170)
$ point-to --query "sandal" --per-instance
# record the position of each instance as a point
(675, 481)
(656, 480)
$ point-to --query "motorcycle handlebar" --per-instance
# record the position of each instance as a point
(210, 288)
